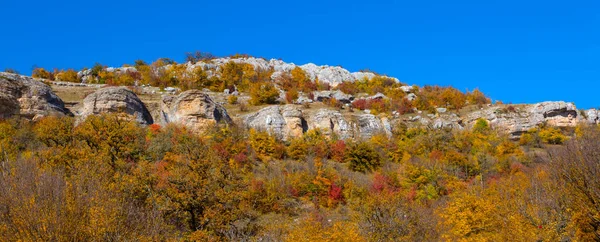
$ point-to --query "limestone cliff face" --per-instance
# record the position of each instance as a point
(194, 109)
(525, 117)
(285, 122)
(289, 121)
(116, 100)
(28, 97)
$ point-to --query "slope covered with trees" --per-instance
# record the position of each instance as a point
(109, 179)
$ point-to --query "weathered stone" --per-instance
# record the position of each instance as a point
(285, 122)
(411, 97)
(520, 120)
(407, 89)
(194, 109)
(116, 100)
(32, 97)
(9, 106)
(337, 95)
(331, 122)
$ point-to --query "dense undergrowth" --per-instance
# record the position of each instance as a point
(109, 179)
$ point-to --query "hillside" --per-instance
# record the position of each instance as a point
(248, 149)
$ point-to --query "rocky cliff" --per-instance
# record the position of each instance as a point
(198, 110)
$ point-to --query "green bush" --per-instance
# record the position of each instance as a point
(362, 157)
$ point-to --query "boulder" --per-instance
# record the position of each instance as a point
(194, 109)
(407, 89)
(285, 121)
(369, 125)
(28, 97)
(592, 116)
(116, 100)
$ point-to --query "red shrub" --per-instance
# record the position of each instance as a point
(360, 104)
(335, 193)
(338, 151)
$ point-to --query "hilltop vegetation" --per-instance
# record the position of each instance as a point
(265, 81)
(109, 179)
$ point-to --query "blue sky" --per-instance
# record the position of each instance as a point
(514, 51)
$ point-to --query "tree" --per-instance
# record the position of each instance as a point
(69, 75)
(42, 73)
(576, 168)
(470, 217)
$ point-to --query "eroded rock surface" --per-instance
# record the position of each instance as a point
(517, 120)
(28, 97)
(194, 109)
(116, 100)
(285, 122)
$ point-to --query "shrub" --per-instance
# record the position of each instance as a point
(291, 95)
(11, 70)
(481, 126)
(42, 73)
(263, 93)
(362, 157)
(552, 136)
(69, 75)
(360, 104)
(477, 97)
(338, 151)
(405, 106)
(232, 99)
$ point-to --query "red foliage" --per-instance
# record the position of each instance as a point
(360, 104)
(338, 151)
(412, 194)
(380, 183)
(240, 158)
(155, 127)
(436, 155)
(348, 87)
(335, 193)
(405, 106)
(257, 185)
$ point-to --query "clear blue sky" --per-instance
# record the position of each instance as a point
(515, 51)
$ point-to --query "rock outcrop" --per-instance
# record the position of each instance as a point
(9, 106)
(515, 120)
(288, 121)
(28, 97)
(194, 109)
(285, 122)
(330, 122)
(332, 75)
(336, 94)
(116, 100)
